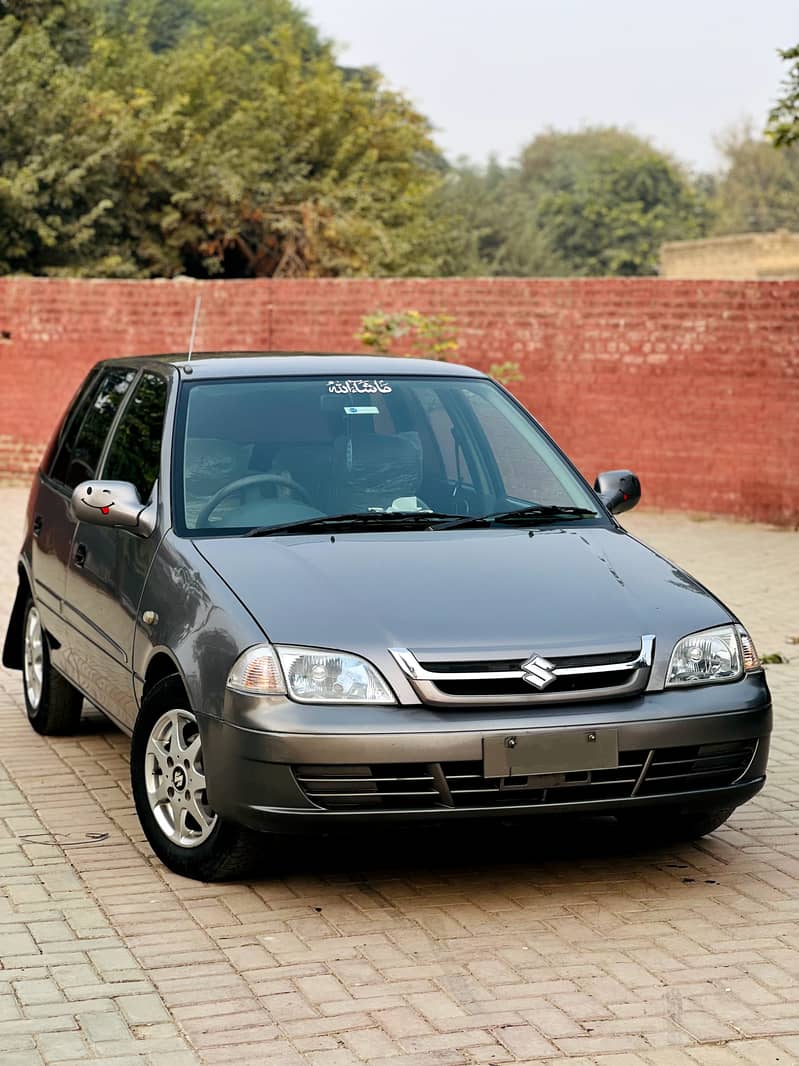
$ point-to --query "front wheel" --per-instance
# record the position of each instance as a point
(53, 705)
(658, 825)
(168, 780)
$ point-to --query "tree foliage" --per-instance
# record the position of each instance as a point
(140, 138)
(611, 213)
(56, 144)
(491, 226)
(423, 336)
(414, 334)
(599, 201)
(783, 122)
(758, 190)
(204, 137)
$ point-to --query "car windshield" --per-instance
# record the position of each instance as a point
(260, 452)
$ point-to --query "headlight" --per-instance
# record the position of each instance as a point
(315, 676)
(308, 675)
(721, 654)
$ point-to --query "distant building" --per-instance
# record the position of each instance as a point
(742, 256)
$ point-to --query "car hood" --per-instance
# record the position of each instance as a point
(495, 590)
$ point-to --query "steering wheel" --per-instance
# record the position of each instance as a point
(250, 482)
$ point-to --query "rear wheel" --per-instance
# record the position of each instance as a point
(53, 705)
(169, 788)
(663, 824)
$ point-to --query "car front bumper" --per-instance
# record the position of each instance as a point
(280, 766)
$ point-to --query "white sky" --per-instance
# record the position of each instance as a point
(490, 74)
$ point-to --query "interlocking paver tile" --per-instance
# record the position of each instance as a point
(465, 949)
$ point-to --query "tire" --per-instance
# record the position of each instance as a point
(168, 783)
(53, 705)
(663, 825)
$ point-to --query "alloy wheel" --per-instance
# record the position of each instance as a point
(175, 779)
(33, 658)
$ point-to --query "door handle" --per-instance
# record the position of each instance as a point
(80, 554)
(38, 522)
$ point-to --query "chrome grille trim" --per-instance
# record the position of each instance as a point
(431, 684)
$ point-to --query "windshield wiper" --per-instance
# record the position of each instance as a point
(357, 521)
(535, 513)
(361, 520)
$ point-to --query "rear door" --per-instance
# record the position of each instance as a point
(108, 567)
(75, 456)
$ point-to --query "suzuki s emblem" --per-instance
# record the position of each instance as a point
(538, 671)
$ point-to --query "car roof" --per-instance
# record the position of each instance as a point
(296, 364)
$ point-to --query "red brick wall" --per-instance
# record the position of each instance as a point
(695, 385)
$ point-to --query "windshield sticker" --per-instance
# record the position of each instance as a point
(361, 410)
(358, 386)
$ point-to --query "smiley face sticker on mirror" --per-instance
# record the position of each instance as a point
(103, 499)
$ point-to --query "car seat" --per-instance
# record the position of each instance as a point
(373, 470)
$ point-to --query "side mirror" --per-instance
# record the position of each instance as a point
(114, 504)
(619, 490)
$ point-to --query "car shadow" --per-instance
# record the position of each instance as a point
(94, 723)
(479, 847)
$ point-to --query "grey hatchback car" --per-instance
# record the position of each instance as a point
(324, 590)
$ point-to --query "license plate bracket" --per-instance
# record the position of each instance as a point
(550, 751)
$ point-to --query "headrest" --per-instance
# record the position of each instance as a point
(376, 469)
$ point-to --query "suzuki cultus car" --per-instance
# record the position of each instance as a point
(325, 590)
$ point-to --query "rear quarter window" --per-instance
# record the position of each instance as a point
(75, 413)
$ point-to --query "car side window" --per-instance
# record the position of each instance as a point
(80, 450)
(71, 422)
(135, 451)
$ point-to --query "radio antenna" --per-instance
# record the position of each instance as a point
(197, 303)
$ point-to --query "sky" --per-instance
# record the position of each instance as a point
(491, 74)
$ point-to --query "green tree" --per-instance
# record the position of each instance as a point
(301, 171)
(56, 142)
(491, 225)
(70, 24)
(783, 122)
(758, 190)
(598, 201)
(163, 24)
(553, 159)
(221, 147)
(236, 22)
(615, 216)
(606, 200)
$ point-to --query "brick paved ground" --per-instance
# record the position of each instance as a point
(413, 949)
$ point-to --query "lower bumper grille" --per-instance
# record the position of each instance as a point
(682, 769)
(397, 786)
(431, 786)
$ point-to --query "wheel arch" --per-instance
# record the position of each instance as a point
(161, 666)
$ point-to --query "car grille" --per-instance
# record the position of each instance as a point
(566, 678)
(431, 786)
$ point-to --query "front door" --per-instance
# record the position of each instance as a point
(108, 567)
